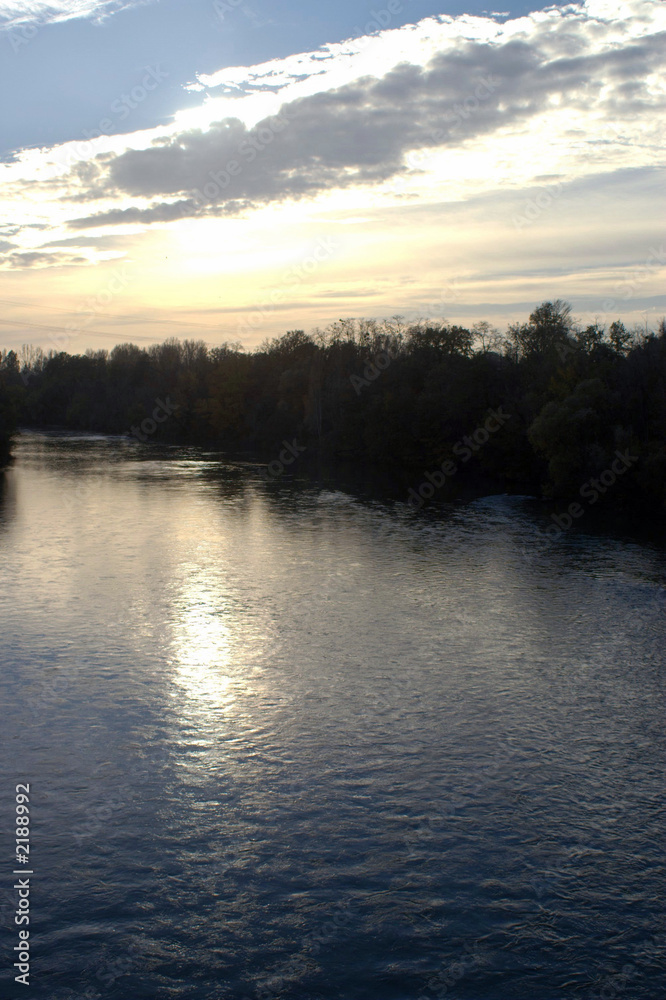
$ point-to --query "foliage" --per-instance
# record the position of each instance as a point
(382, 393)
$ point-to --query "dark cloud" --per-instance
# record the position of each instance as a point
(35, 258)
(108, 242)
(360, 133)
(162, 212)
(12, 230)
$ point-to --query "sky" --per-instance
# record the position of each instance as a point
(228, 170)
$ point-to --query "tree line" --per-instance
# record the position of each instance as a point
(381, 393)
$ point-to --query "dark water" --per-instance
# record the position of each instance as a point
(296, 742)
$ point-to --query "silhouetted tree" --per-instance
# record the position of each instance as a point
(381, 392)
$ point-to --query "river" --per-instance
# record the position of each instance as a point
(296, 741)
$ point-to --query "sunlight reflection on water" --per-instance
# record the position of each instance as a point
(314, 744)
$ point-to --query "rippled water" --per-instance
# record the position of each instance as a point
(296, 742)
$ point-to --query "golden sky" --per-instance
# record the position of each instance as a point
(462, 167)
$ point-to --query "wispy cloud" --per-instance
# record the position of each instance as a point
(37, 258)
(50, 11)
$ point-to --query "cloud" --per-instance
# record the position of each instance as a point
(109, 242)
(164, 212)
(581, 71)
(36, 258)
(12, 230)
(13, 12)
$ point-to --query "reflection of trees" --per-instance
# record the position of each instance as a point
(7, 500)
(10, 401)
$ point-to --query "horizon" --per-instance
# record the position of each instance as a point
(486, 337)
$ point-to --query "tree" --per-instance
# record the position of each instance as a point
(549, 326)
(620, 337)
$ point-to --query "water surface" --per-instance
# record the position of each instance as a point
(296, 741)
